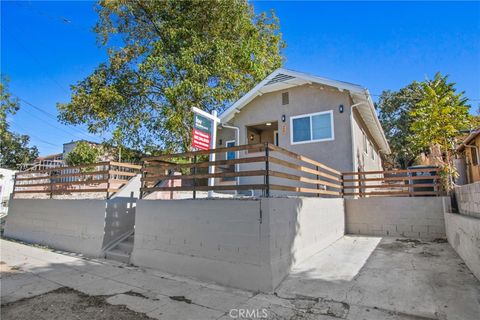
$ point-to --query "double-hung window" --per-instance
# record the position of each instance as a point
(312, 127)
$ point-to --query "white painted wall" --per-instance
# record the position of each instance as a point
(71, 225)
(463, 234)
(416, 217)
(248, 244)
(7, 178)
(81, 226)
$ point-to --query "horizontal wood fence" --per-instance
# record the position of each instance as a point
(102, 179)
(264, 167)
(407, 182)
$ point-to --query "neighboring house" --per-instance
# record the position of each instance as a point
(469, 151)
(330, 121)
(58, 159)
(6, 187)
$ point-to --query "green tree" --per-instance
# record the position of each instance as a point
(173, 55)
(14, 148)
(394, 109)
(83, 153)
(439, 117)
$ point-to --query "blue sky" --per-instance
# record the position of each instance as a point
(46, 46)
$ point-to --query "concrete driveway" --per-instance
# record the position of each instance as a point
(355, 278)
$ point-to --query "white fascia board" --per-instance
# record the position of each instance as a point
(228, 114)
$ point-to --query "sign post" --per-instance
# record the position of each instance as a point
(204, 136)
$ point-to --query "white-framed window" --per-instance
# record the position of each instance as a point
(230, 155)
(365, 143)
(312, 127)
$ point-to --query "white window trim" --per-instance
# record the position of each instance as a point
(226, 153)
(275, 140)
(365, 143)
(332, 129)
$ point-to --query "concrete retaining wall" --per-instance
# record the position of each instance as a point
(415, 217)
(468, 199)
(81, 226)
(71, 225)
(248, 244)
(463, 234)
(298, 228)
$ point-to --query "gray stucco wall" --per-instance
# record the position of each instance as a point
(415, 217)
(463, 234)
(71, 225)
(303, 100)
(248, 244)
(468, 199)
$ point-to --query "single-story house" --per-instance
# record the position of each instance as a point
(330, 121)
(469, 152)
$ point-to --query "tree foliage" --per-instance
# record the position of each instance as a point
(166, 57)
(14, 148)
(394, 115)
(421, 115)
(438, 118)
(83, 153)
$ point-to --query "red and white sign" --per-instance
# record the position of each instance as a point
(200, 140)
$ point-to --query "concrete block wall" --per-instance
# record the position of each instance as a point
(463, 234)
(248, 244)
(300, 227)
(412, 217)
(70, 225)
(468, 199)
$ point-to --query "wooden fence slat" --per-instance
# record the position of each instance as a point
(304, 179)
(302, 168)
(304, 159)
(207, 188)
(206, 152)
(371, 186)
(391, 171)
(392, 179)
(303, 190)
(207, 175)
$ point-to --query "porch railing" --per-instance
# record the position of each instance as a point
(263, 167)
(102, 179)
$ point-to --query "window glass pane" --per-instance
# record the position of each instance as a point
(322, 128)
(301, 129)
(230, 154)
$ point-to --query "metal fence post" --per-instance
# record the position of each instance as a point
(267, 173)
(318, 178)
(194, 176)
(51, 184)
(108, 180)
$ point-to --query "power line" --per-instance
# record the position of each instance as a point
(52, 116)
(33, 136)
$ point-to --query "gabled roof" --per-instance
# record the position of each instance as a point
(282, 79)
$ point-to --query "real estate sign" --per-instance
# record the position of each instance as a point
(202, 132)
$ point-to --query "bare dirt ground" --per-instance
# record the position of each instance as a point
(67, 304)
